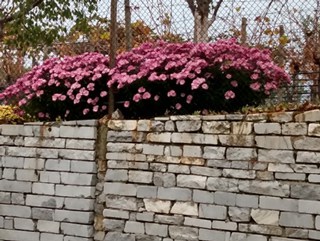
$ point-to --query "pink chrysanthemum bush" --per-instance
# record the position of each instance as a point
(169, 78)
(69, 88)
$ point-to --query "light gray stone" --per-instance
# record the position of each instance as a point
(164, 179)
(192, 151)
(134, 227)
(295, 129)
(274, 142)
(239, 214)
(273, 188)
(111, 213)
(188, 126)
(156, 229)
(177, 194)
(297, 220)
(305, 191)
(164, 137)
(73, 216)
(116, 175)
(205, 234)
(113, 225)
(185, 208)
(122, 203)
(48, 226)
(267, 128)
(247, 201)
(24, 224)
(147, 192)
(196, 222)
(202, 196)
(79, 230)
(212, 211)
(241, 154)
(183, 233)
(242, 128)
(314, 129)
(224, 225)
(306, 143)
(176, 219)
(191, 181)
(266, 217)
(157, 206)
(122, 189)
(44, 201)
(237, 140)
(216, 127)
(112, 236)
(140, 177)
(275, 203)
(222, 184)
(239, 174)
(225, 198)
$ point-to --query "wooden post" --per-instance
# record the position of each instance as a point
(127, 11)
(113, 52)
(243, 38)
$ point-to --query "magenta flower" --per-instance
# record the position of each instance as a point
(126, 104)
(146, 96)
(229, 95)
(255, 86)
(137, 97)
(234, 83)
(171, 93)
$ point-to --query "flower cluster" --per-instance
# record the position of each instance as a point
(153, 79)
(10, 114)
(71, 88)
(159, 78)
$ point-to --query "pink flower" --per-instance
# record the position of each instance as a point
(126, 104)
(41, 115)
(254, 76)
(255, 86)
(229, 95)
(205, 86)
(234, 83)
(90, 87)
(103, 93)
(146, 96)
(189, 99)
(85, 111)
(104, 107)
(228, 76)
(197, 82)
(141, 90)
(156, 97)
(62, 97)
(55, 97)
(95, 108)
(137, 97)
(171, 93)
(178, 106)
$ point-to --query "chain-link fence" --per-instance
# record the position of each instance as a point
(291, 29)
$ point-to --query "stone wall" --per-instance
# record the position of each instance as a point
(47, 181)
(220, 178)
(184, 178)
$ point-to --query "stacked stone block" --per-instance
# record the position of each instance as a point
(223, 178)
(47, 181)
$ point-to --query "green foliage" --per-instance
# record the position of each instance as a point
(32, 22)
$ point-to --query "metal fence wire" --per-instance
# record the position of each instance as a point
(291, 29)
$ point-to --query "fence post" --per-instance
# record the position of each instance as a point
(127, 11)
(243, 38)
(113, 52)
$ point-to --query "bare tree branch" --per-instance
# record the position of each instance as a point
(192, 6)
(215, 12)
